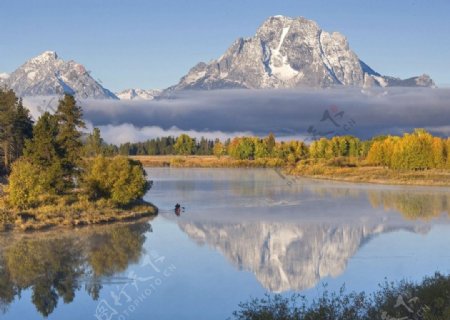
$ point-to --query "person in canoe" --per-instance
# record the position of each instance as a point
(177, 209)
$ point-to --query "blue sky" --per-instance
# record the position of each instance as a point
(151, 44)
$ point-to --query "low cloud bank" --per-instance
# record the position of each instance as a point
(127, 132)
(287, 113)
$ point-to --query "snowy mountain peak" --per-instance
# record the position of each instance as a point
(47, 74)
(289, 52)
(4, 76)
(45, 57)
(138, 94)
(425, 81)
(276, 19)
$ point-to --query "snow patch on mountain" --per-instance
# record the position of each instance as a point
(4, 76)
(278, 62)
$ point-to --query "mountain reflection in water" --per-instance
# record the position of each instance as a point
(289, 234)
(304, 230)
(287, 257)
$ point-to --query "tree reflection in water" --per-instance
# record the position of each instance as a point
(412, 205)
(55, 266)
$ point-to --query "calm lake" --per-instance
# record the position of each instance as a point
(242, 233)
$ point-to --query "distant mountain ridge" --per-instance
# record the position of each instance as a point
(47, 74)
(284, 53)
(288, 53)
(138, 94)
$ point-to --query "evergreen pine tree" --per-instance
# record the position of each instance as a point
(270, 143)
(23, 129)
(69, 116)
(43, 149)
(94, 144)
(15, 126)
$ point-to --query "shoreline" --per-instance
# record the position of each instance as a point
(176, 161)
(63, 231)
(53, 217)
(354, 174)
(370, 181)
(374, 175)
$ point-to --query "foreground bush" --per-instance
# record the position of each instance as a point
(30, 184)
(119, 179)
(429, 300)
(24, 188)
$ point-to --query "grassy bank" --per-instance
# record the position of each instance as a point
(337, 169)
(205, 162)
(67, 212)
(370, 174)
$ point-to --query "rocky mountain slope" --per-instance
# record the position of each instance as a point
(284, 53)
(47, 74)
(287, 53)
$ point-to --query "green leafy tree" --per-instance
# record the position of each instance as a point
(354, 148)
(321, 149)
(30, 184)
(119, 179)
(184, 145)
(375, 155)
(314, 151)
(40, 173)
(383, 152)
(24, 187)
(364, 148)
(413, 151)
(261, 148)
(438, 152)
(291, 151)
(447, 149)
(242, 148)
(219, 149)
(342, 146)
